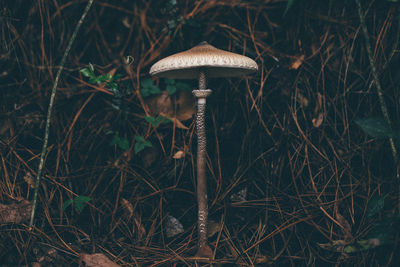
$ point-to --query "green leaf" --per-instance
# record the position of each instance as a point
(93, 80)
(146, 83)
(116, 77)
(67, 204)
(169, 81)
(148, 88)
(138, 147)
(171, 89)
(375, 127)
(139, 138)
(375, 205)
(360, 245)
(165, 120)
(87, 72)
(121, 142)
(79, 202)
(155, 122)
(103, 78)
(385, 230)
(288, 6)
(113, 86)
(141, 144)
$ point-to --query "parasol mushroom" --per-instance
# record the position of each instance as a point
(201, 62)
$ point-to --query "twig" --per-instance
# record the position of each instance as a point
(50, 109)
(376, 78)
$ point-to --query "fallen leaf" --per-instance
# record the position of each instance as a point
(128, 208)
(185, 106)
(263, 259)
(177, 122)
(173, 226)
(318, 121)
(178, 107)
(126, 22)
(212, 228)
(96, 260)
(161, 103)
(28, 178)
(297, 63)
(178, 155)
(130, 213)
(346, 226)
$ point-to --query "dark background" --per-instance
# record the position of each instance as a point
(320, 190)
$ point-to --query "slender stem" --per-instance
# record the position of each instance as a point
(201, 96)
(376, 78)
(50, 109)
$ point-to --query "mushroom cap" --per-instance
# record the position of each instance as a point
(215, 62)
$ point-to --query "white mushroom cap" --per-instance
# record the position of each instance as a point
(215, 62)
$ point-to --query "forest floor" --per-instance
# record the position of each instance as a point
(302, 156)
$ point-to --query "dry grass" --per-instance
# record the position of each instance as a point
(286, 135)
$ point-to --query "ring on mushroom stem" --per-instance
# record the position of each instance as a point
(201, 62)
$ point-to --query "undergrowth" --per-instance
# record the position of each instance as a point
(300, 170)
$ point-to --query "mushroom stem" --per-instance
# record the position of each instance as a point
(202, 79)
(203, 249)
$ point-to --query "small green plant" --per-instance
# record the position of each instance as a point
(141, 143)
(148, 88)
(78, 203)
(121, 142)
(376, 127)
(383, 231)
(111, 84)
(106, 78)
(155, 122)
(173, 86)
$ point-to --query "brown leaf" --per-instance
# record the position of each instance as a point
(28, 178)
(161, 103)
(213, 227)
(128, 208)
(263, 259)
(15, 212)
(185, 106)
(346, 228)
(297, 63)
(179, 107)
(177, 122)
(318, 121)
(178, 155)
(96, 260)
(130, 213)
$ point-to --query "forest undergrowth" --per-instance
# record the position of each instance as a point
(302, 159)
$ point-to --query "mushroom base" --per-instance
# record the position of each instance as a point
(204, 252)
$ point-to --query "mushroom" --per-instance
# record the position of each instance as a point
(201, 62)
